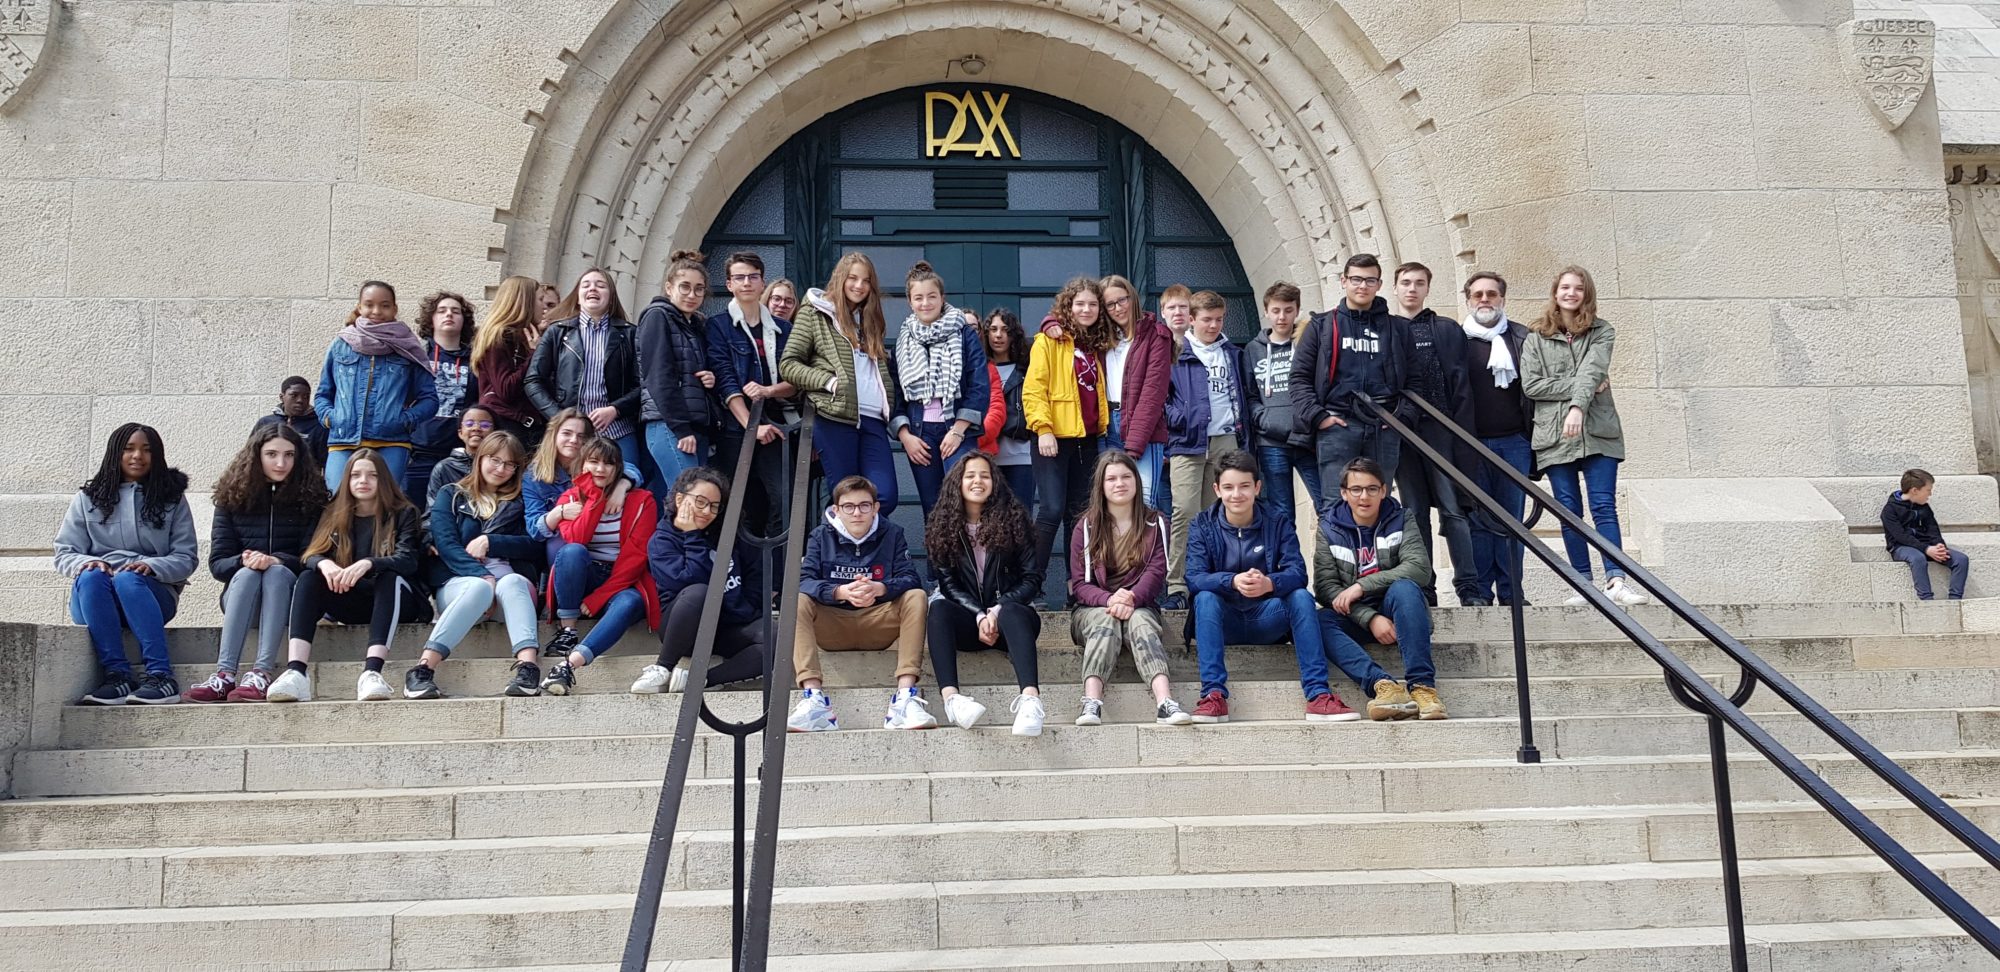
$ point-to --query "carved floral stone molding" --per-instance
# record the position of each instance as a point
(25, 29)
(1889, 62)
(1985, 206)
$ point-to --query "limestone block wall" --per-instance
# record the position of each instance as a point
(194, 188)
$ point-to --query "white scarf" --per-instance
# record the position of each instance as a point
(929, 358)
(1501, 361)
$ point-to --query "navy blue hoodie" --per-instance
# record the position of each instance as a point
(682, 558)
(1907, 524)
(1217, 551)
(833, 559)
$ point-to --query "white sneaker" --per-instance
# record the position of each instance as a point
(1028, 715)
(962, 711)
(908, 710)
(1575, 600)
(813, 713)
(679, 682)
(371, 687)
(1623, 594)
(652, 680)
(292, 686)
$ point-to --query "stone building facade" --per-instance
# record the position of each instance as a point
(1770, 193)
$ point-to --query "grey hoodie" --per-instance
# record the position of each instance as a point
(169, 550)
(1267, 370)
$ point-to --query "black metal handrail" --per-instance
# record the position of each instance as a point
(750, 914)
(1695, 692)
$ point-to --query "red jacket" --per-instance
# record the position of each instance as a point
(996, 413)
(635, 530)
(1143, 398)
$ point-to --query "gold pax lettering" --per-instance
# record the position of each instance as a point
(966, 112)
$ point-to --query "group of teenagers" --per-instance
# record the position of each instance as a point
(579, 485)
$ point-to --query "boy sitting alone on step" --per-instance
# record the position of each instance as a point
(1911, 531)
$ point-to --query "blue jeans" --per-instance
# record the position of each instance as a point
(930, 479)
(857, 450)
(576, 575)
(1920, 570)
(1152, 463)
(1278, 463)
(1268, 620)
(1403, 603)
(1335, 447)
(397, 458)
(1021, 480)
(662, 459)
(1600, 478)
(108, 604)
(1490, 542)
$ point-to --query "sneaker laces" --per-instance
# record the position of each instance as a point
(1024, 699)
(255, 679)
(216, 683)
(1170, 707)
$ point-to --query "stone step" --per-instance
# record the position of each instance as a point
(612, 710)
(1870, 548)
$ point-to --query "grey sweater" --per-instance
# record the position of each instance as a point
(169, 550)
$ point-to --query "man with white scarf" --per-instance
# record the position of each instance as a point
(1502, 418)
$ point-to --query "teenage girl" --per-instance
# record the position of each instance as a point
(266, 505)
(941, 366)
(600, 569)
(682, 556)
(484, 555)
(1117, 572)
(501, 351)
(1013, 447)
(589, 361)
(128, 541)
(1066, 407)
(359, 567)
(673, 346)
(1137, 373)
(375, 388)
(837, 355)
(982, 550)
(781, 296)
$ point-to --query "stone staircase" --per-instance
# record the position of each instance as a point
(479, 832)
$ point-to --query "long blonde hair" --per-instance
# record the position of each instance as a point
(512, 313)
(485, 500)
(335, 535)
(1554, 320)
(867, 315)
(543, 467)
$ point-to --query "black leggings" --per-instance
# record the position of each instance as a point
(374, 601)
(739, 648)
(1062, 490)
(951, 628)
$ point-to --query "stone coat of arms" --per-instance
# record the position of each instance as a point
(1889, 61)
(25, 29)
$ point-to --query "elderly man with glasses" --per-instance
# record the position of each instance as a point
(1345, 354)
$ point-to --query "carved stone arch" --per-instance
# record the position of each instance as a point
(663, 111)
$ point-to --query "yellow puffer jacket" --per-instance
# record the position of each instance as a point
(1049, 395)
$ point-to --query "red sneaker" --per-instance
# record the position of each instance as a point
(251, 689)
(1327, 707)
(215, 689)
(1214, 707)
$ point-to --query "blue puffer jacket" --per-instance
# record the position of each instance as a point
(1217, 551)
(372, 397)
(1187, 400)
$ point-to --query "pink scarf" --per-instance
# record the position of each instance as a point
(385, 337)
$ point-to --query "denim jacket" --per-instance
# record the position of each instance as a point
(372, 397)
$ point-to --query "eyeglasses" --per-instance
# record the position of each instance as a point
(702, 504)
(1363, 490)
(856, 509)
(1115, 304)
(745, 277)
(1484, 295)
(476, 424)
(507, 464)
(1365, 281)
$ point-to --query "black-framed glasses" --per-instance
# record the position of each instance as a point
(856, 509)
(1365, 281)
(702, 504)
(1375, 490)
(507, 464)
(1115, 304)
(745, 277)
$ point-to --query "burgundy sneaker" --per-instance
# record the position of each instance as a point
(251, 689)
(1327, 707)
(1214, 708)
(216, 689)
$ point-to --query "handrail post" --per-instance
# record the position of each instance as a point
(1528, 753)
(1725, 836)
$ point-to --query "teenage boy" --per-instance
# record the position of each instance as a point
(474, 425)
(295, 408)
(1281, 446)
(858, 591)
(1369, 571)
(1437, 374)
(744, 342)
(1354, 349)
(1206, 408)
(1502, 418)
(1911, 530)
(1250, 588)
(1175, 309)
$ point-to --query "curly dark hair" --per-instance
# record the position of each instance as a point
(1004, 526)
(241, 487)
(685, 482)
(1017, 342)
(1099, 337)
(430, 306)
(160, 491)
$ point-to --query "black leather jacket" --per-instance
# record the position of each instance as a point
(1010, 576)
(555, 374)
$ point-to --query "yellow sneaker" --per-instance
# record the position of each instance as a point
(1429, 706)
(1390, 702)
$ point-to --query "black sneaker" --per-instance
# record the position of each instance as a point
(116, 690)
(157, 690)
(559, 681)
(1174, 602)
(562, 644)
(528, 679)
(421, 683)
